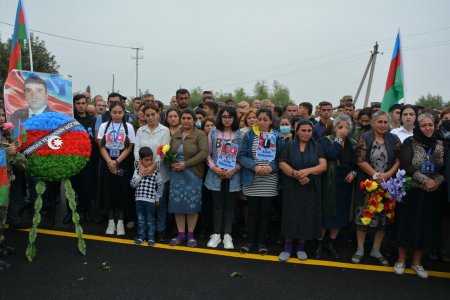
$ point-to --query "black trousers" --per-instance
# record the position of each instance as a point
(258, 218)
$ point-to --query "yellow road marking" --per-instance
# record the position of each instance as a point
(311, 262)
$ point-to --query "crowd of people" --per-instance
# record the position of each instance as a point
(221, 160)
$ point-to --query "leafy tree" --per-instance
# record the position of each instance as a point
(261, 90)
(88, 89)
(240, 95)
(43, 60)
(196, 97)
(280, 94)
(434, 101)
(222, 97)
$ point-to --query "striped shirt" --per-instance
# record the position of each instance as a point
(261, 186)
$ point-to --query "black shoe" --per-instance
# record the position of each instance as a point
(162, 236)
(67, 218)
(318, 253)
(331, 250)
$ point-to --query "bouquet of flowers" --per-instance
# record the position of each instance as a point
(166, 154)
(379, 198)
(375, 200)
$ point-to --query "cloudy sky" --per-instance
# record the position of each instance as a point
(318, 49)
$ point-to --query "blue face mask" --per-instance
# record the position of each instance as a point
(198, 124)
(285, 129)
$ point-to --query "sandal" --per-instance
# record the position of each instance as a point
(247, 248)
(382, 260)
(356, 258)
(192, 243)
(263, 250)
(176, 241)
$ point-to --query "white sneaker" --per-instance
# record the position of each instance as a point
(120, 228)
(214, 240)
(399, 268)
(228, 241)
(131, 224)
(420, 271)
(111, 227)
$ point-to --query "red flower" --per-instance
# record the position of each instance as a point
(362, 185)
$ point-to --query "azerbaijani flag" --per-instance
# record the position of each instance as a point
(20, 34)
(394, 83)
(4, 189)
(20, 133)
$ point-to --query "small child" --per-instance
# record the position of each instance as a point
(148, 191)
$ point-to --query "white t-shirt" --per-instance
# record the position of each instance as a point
(402, 133)
(115, 136)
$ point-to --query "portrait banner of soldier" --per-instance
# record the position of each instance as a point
(32, 93)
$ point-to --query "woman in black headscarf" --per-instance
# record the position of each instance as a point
(302, 160)
(417, 216)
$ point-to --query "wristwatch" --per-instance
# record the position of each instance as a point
(375, 176)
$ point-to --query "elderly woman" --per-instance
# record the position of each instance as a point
(417, 217)
(377, 159)
(337, 182)
(259, 178)
(185, 197)
(408, 115)
(301, 162)
(152, 135)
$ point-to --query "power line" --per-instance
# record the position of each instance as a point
(73, 39)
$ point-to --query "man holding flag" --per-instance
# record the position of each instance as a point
(394, 91)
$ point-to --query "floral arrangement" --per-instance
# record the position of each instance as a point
(382, 198)
(166, 154)
(62, 156)
(397, 187)
(377, 200)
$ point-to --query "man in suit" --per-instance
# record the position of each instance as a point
(36, 96)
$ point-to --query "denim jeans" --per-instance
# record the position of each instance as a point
(145, 212)
(161, 209)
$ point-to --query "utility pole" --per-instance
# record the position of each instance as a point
(371, 66)
(137, 57)
(113, 84)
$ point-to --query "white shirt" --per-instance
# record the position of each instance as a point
(146, 138)
(402, 133)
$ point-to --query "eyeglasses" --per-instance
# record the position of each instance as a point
(227, 117)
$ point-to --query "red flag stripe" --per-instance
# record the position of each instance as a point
(395, 63)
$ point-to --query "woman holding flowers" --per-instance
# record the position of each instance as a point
(377, 159)
(153, 135)
(185, 197)
(417, 217)
(224, 178)
(337, 184)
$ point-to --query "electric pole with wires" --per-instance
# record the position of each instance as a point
(137, 57)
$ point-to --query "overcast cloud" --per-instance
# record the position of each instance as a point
(318, 49)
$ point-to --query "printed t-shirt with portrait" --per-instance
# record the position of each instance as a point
(116, 135)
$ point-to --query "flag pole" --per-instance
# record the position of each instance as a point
(31, 55)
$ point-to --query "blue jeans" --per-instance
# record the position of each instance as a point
(161, 209)
(145, 212)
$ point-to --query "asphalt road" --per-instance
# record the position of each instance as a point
(137, 272)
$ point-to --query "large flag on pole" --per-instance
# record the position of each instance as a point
(20, 34)
(394, 83)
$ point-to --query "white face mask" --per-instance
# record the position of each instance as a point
(198, 124)
(285, 130)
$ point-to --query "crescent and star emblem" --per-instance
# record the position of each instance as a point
(55, 142)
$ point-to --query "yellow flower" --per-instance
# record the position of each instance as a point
(389, 215)
(373, 186)
(365, 220)
(380, 207)
(372, 208)
(387, 195)
(165, 149)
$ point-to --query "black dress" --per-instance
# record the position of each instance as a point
(417, 218)
(302, 212)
